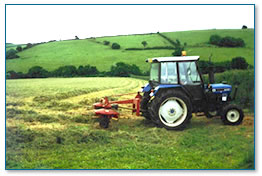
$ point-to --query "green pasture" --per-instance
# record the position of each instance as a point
(93, 52)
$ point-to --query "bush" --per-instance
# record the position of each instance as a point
(29, 45)
(232, 42)
(124, 70)
(239, 63)
(106, 42)
(87, 70)
(219, 67)
(226, 41)
(244, 27)
(13, 75)
(115, 46)
(215, 39)
(19, 48)
(65, 71)
(11, 54)
(37, 72)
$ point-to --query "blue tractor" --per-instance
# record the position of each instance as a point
(176, 90)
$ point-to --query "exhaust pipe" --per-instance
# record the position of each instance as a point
(235, 93)
(211, 75)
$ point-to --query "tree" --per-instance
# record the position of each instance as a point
(37, 72)
(178, 48)
(87, 70)
(115, 46)
(76, 38)
(19, 48)
(120, 69)
(215, 39)
(65, 71)
(244, 27)
(106, 42)
(239, 63)
(29, 45)
(11, 54)
(144, 43)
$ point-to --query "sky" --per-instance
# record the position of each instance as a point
(42, 23)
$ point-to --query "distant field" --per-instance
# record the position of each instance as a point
(92, 51)
(50, 125)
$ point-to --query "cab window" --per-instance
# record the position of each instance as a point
(168, 73)
(188, 73)
(154, 72)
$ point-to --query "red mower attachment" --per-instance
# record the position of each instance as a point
(106, 109)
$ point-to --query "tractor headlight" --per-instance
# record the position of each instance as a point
(156, 88)
(151, 94)
(153, 91)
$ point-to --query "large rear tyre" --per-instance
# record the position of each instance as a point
(144, 106)
(171, 109)
(232, 115)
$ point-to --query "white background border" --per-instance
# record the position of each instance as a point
(126, 172)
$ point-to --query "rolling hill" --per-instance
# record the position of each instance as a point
(92, 51)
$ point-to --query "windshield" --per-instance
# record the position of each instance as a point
(154, 71)
(188, 73)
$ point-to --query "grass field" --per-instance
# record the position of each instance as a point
(92, 51)
(50, 125)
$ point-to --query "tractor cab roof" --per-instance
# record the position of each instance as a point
(173, 59)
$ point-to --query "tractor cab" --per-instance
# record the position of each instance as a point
(176, 72)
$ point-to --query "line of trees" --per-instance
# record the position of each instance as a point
(119, 69)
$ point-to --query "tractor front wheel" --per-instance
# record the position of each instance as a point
(232, 115)
(172, 109)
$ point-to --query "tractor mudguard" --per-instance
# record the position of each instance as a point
(146, 88)
(163, 86)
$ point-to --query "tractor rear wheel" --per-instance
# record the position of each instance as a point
(171, 109)
(232, 115)
(144, 106)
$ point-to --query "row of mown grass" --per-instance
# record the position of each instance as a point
(50, 126)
